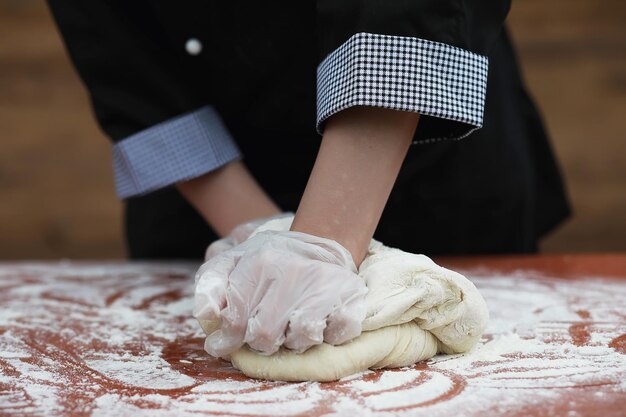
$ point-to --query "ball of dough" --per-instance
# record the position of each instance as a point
(388, 347)
(416, 309)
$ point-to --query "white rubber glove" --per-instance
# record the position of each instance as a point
(240, 233)
(279, 288)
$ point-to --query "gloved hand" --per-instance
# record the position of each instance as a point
(279, 288)
(239, 234)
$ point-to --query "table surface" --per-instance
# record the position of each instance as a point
(100, 339)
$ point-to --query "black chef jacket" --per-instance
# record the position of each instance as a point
(263, 66)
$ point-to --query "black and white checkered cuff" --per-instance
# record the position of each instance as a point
(404, 73)
(177, 149)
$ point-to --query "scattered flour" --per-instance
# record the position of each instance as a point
(118, 339)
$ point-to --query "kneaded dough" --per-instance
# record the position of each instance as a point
(388, 347)
(416, 309)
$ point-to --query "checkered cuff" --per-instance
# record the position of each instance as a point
(404, 73)
(177, 149)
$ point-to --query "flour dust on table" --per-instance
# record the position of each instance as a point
(118, 339)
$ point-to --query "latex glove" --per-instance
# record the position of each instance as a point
(240, 233)
(279, 288)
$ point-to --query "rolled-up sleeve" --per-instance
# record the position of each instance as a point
(148, 92)
(408, 74)
(175, 150)
(423, 56)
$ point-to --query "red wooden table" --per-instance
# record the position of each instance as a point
(116, 339)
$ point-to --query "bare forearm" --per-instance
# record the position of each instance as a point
(361, 154)
(227, 197)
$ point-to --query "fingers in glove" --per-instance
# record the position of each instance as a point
(243, 295)
(306, 329)
(210, 289)
(228, 338)
(343, 326)
(335, 321)
(344, 323)
(301, 283)
(286, 289)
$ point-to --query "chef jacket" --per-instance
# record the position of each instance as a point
(183, 88)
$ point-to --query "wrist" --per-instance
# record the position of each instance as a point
(359, 159)
(228, 197)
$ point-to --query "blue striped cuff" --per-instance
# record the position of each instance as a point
(175, 150)
(407, 74)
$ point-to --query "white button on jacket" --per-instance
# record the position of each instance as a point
(193, 46)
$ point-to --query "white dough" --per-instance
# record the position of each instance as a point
(416, 309)
(389, 347)
(407, 287)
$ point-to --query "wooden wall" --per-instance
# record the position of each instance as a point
(56, 190)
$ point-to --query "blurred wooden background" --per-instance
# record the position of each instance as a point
(56, 189)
